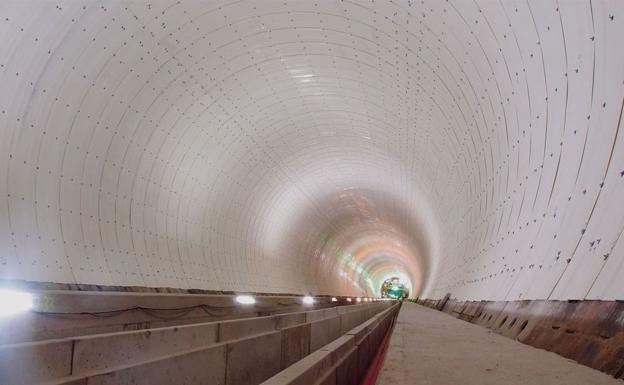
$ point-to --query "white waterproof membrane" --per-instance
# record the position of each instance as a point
(322, 147)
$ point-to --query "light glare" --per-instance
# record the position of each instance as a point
(308, 300)
(245, 300)
(348, 299)
(13, 302)
(334, 299)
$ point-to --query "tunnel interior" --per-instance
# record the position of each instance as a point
(228, 191)
(302, 147)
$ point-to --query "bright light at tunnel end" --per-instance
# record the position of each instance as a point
(14, 302)
(308, 300)
(245, 299)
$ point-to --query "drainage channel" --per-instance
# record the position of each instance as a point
(378, 360)
(355, 358)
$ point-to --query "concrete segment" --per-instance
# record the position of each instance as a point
(304, 372)
(429, 347)
(253, 360)
(194, 367)
(229, 330)
(319, 334)
(342, 361)
(206, 366)
(349, 309)
(349, 320)
(295, 344)
(315, 315)
(107, 351)
(291, 319)
(363, 329)
(347, 368)
(364, 355)
(340, 347)
(54, 359)
(334, 328)
(32, 362)
(328, 379)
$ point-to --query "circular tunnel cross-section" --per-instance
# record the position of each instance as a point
(467, 147)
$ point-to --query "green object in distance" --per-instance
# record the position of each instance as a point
(393, 288)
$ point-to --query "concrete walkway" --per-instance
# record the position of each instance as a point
(429, 347)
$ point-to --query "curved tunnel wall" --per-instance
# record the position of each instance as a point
(298, 146)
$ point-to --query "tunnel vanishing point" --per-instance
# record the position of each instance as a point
(311, 192)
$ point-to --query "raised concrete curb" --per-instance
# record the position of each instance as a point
(343, 361)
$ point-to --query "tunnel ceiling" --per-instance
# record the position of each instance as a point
(470, 147)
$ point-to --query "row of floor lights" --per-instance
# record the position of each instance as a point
(307, 300)
(360, 299)
(14, 302)
(249, 300)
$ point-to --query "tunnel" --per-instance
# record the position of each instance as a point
(211, 167)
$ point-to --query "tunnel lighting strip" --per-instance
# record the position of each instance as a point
(245, 299)
(14, 302)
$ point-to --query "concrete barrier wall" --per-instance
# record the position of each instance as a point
(230, 330)
(101, 352)
(64, 314)
(203, 366)
(324, 331)
(251, 360)
(343, 361)
(295, 344)
(101, 355)
(32, 362)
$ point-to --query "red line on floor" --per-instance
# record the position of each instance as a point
(375, 367)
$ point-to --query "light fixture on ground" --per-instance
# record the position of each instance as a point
(14, 302)
(334, 299)
(245, 299)
(348, 299)
(308, 300)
